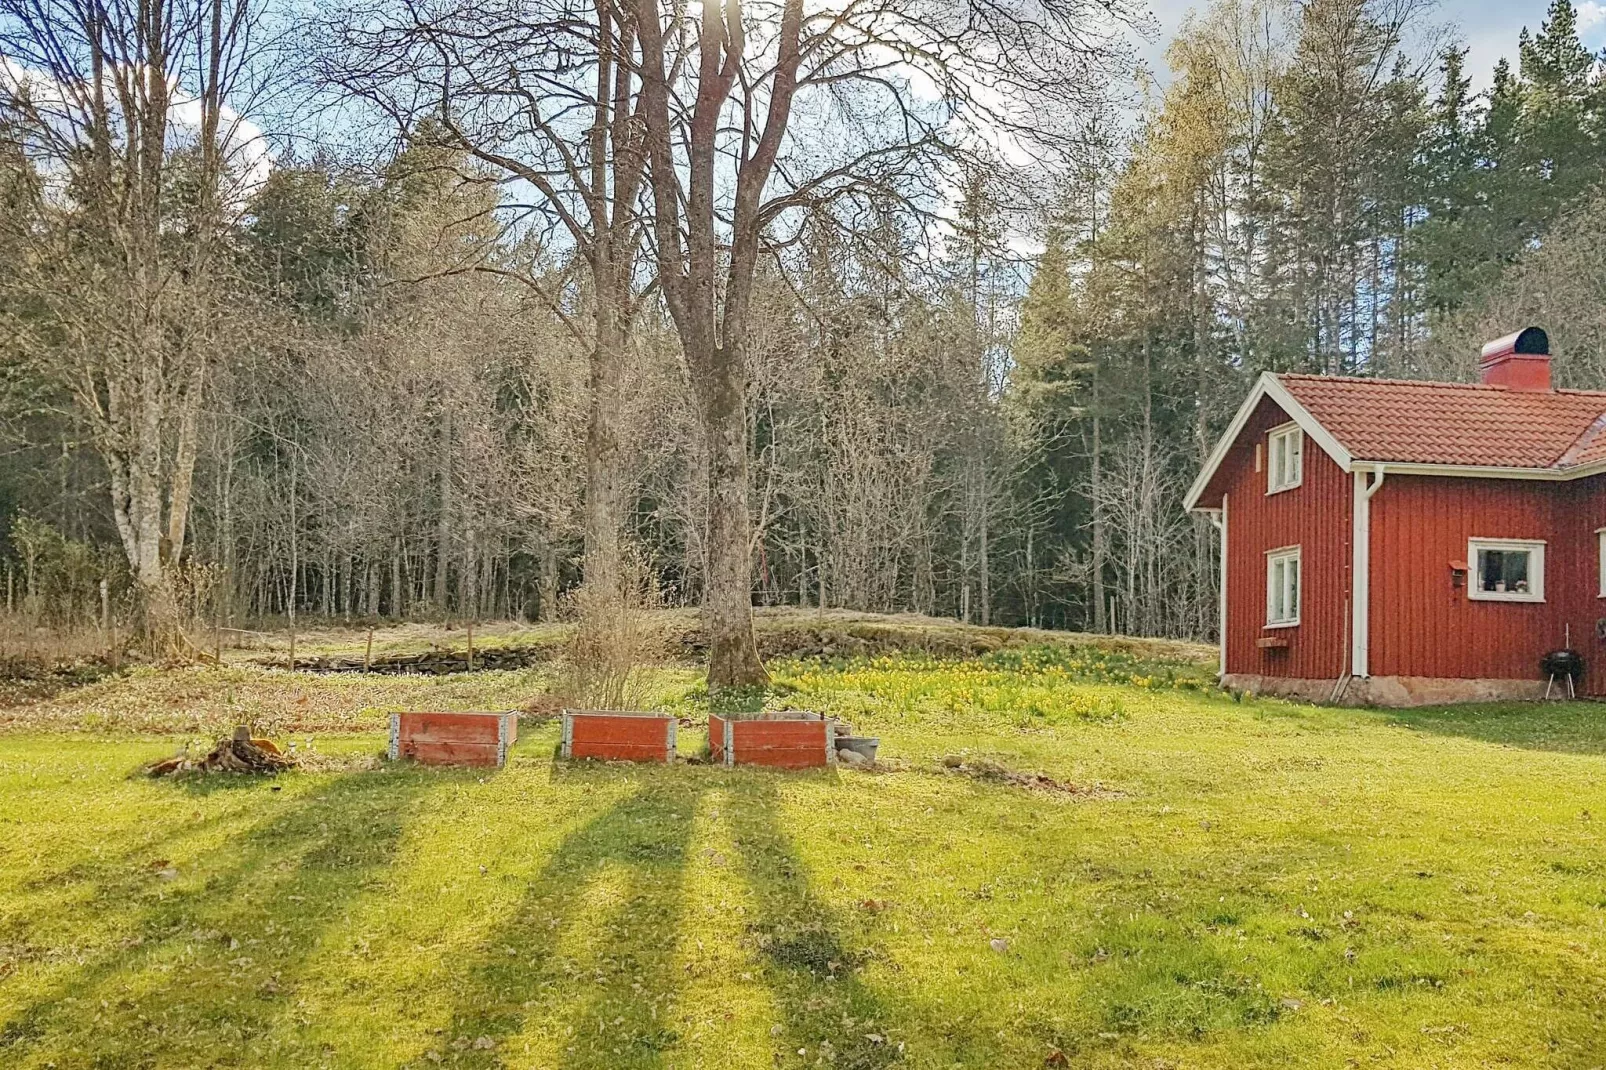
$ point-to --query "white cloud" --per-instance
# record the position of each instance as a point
(1590, 14)
(245, 146)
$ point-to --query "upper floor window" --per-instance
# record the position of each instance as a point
(1507, 570)
(1285, 447)
(1282, 587)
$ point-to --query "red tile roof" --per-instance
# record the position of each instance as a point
(1455, 423)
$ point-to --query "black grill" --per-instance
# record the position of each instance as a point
(1562, 663)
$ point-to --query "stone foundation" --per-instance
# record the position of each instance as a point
(1390, 691)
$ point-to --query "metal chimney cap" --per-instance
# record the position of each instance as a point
(1530, 341)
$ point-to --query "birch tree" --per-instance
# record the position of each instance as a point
(133, 104)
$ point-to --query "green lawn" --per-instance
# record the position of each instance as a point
(1256, 884)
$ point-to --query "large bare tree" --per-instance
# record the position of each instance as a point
(133, 108)
(760, 114)
(543, 93)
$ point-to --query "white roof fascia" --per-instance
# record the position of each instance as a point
(1490, 471)
(1266, 386)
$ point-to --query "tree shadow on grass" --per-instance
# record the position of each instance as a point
(196, 970)
(812, 964)
(127, 848)
(1565, 727)
(611, 894)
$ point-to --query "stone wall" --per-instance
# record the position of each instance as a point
(1390, 691)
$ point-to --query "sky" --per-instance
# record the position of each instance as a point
(1488, 27)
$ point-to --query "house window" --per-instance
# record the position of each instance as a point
(1600, 534)
(1282, 587)
(1507, 570)
(1285, 447)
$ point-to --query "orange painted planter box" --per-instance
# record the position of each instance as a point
(792, 744)
(453, 738)
(619, 735)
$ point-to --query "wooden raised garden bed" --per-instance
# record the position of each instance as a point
(788, 744)
(619, 735)
(453, 738)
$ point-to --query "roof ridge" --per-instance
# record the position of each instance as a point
(1383, 381)
(1587, 438)
(1318, 377)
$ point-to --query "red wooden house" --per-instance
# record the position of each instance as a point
(1396, 543)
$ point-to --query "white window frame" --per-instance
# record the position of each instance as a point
(1600, 536)
(1286, 436)
(1273, 557)
(1536, 570)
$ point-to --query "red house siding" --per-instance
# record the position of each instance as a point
(1427, 640)
(1314, 516)
(1420, 624)
(1581, 511)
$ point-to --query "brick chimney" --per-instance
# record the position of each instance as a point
(1519, 361)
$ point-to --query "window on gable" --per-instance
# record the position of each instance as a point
(1282, 587)
(1507, 570)
(1285, 449)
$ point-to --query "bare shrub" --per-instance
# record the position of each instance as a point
(25, 641)
(196, 591)
(618, 636)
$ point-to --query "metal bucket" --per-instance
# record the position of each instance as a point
(865, 745)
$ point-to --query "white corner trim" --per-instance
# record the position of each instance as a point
(1266, 386)
(1218, 517)
(1361, 571)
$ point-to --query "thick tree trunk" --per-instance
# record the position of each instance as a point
(603, 511)
(733, 659)
(136, 483)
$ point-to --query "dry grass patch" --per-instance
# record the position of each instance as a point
(210, 701)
